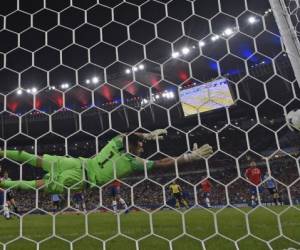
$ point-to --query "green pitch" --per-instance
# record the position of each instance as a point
(167, 226)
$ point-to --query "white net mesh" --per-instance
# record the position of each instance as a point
(74, 74)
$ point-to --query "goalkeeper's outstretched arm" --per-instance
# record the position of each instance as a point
(202, 152)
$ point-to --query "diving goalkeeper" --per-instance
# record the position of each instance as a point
(113, 161)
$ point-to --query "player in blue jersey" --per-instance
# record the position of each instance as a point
(272, 187)
(56, 202)
(78, 199)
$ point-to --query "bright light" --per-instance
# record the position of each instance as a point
(215, 38)
(252, 20)
(135, 69)
(52, 87)
(175, 54)
(127, 71)
(171, 94)
(33, 90)
(28, 90)
(95, 80)
(88, 81)
(201, 44)
(157, 97)
(64, 86)
(19, 92)
(141, 66)
(228, 32)
(185, 50)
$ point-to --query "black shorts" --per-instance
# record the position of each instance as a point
(177, 196)
(56, 203)
(272, 190)
(9, 195)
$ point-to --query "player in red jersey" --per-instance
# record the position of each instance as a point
(206, 186)
(253, 174)
(116, 196)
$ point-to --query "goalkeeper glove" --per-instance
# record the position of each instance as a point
(198, 153)
(159, 133)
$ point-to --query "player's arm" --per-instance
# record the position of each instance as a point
(179, 188)
(158, 133)
(246, 174)
(202, 152)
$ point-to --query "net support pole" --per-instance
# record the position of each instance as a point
(288, 35)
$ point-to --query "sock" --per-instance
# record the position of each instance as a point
(23, 185)
(123, 203)
(114, 205)
(21, 156)
(185, 203)
(207, 201)
(15, 208)
(177, 204)
(84, 207)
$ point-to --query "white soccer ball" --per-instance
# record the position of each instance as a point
(293, 120)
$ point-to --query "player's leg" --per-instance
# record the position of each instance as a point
(83, 206)
(114, 203)
(123, 203)
(6, 211)
(253, 192)
(207, 200)
(23, 185)
(177, 204)
(23, 156)
(13, 204)
(276, 198)
(184, 202)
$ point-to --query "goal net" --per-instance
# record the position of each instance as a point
(84, 81)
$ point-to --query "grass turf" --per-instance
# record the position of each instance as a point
(100, 230)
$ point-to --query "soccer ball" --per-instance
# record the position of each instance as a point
(293, 120)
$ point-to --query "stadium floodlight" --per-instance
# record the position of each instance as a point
(19, 92)
(141, 66)
(127, 71)
(95, 80)
(185, 50)
(171, 94)
(134, 69)
(88, 81)
(157, 96)
(252, 20)
(175, 54)
(65, 85)
(28, 90)
(215, 38)
(33, 90)
(228, 32)
(201, 44)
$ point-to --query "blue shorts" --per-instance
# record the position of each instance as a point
(115, 191)
(253, 190)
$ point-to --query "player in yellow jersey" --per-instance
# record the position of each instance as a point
(176, 192)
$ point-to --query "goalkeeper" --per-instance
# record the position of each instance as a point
(111, 162)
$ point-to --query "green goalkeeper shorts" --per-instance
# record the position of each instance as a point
(62, 172)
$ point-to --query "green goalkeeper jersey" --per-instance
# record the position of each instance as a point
(112, 161)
